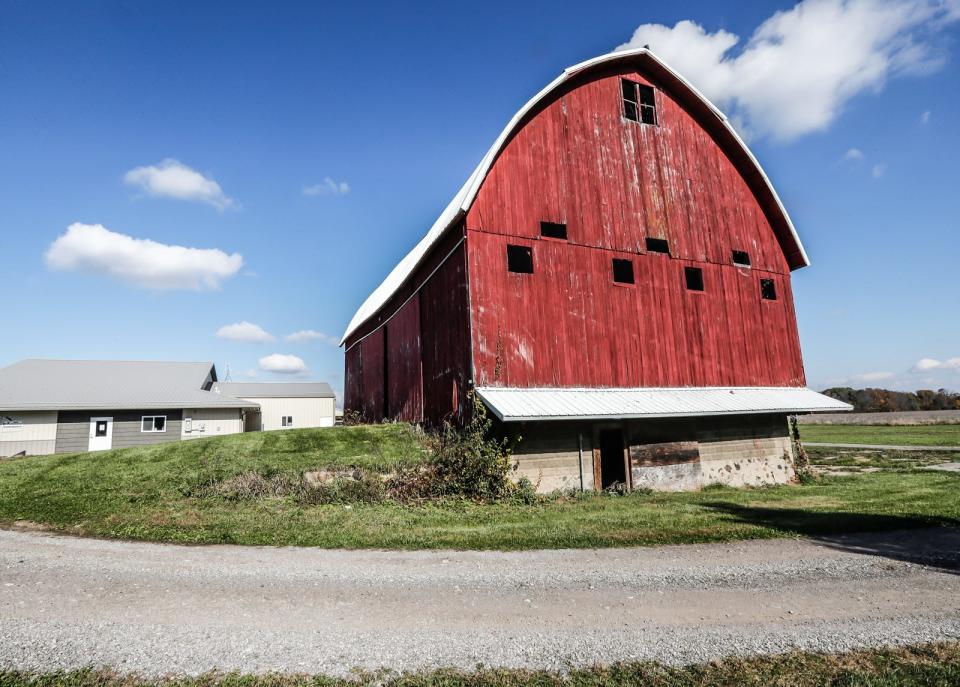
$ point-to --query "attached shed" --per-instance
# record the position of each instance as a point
(285, 405)
(614, 277)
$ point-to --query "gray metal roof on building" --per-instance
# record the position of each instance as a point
(109, 384)
(276, 389)
(516, 404)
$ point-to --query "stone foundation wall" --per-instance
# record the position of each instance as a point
(738, 450)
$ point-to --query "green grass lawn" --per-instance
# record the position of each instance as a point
(151, 493)
(919, 666)
(900, 435)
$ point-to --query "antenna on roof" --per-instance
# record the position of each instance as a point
(226, 373)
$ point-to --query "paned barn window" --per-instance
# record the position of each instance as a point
(768, 290)
(639, 102)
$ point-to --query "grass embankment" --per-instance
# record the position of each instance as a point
(884, 435)
(928, 665)
(159, 493)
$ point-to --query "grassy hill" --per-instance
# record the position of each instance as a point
(171, 492)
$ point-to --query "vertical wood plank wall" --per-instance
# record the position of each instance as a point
(426, 327)
(614, 182)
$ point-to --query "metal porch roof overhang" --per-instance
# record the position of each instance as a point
(786, 232)
(519, 405)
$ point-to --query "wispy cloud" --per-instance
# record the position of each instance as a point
(928, 364)
(281, 363)
(328, 187)
(878, 170)
(873, 376)
(801, 66)
(925, 117)
(173, 179)
(141, 262)
(311, 335)
(854, 154)
(246, 332)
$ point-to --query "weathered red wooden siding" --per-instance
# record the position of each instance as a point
(371, 355)
(615, 182)
(404, 364)
(423, 330)
(445, 332)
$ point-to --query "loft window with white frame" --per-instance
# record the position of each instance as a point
(153, 423)
(286, 421)
(639, 102)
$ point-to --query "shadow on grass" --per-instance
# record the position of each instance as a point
(925, 540)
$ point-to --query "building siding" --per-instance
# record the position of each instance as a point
(37, 436)
(207, 422)
(306, 412)
(614, 183)
(73, 429)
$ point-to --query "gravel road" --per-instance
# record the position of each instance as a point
(158, 609)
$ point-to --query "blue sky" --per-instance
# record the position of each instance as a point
(316, 143)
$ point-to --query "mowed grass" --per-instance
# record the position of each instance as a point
(925, 665)
(887, 435)
(154, 494)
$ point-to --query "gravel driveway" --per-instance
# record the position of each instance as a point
(157, 609)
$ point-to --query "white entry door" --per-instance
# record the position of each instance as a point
(101, 433)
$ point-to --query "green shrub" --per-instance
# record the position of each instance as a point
(463, 463)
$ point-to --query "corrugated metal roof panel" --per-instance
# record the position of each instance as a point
(514, 404)
(109, 384)
(276, 389)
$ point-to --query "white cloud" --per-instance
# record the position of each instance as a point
(252, 372)
(854, 154)
(311, 335)
(283, 364)
(878, 170)
(173, 179)
(801, 66)
(245, 331)
(328, 187)
(925, 117)
(927, 364)
(873, 376)
(141, 262)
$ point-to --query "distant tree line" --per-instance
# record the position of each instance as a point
(886, 401)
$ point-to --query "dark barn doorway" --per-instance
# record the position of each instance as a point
(612, 467)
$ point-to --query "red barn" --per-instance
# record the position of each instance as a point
(615, 276)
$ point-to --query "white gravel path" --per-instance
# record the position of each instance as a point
(158, 609)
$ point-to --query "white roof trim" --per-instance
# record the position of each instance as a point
(517, 404)
(465, 196)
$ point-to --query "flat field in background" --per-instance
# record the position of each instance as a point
(900, 435)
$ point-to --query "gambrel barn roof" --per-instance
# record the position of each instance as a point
(710, 117)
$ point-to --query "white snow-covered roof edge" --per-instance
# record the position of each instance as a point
(511, 404)
(465, 196)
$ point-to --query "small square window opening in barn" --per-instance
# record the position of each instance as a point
(694, 277)
(639, 102)
(553, 230)
(658, 245)
(768, 290)
(741, 258)
(520, 259)
(622, 271)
